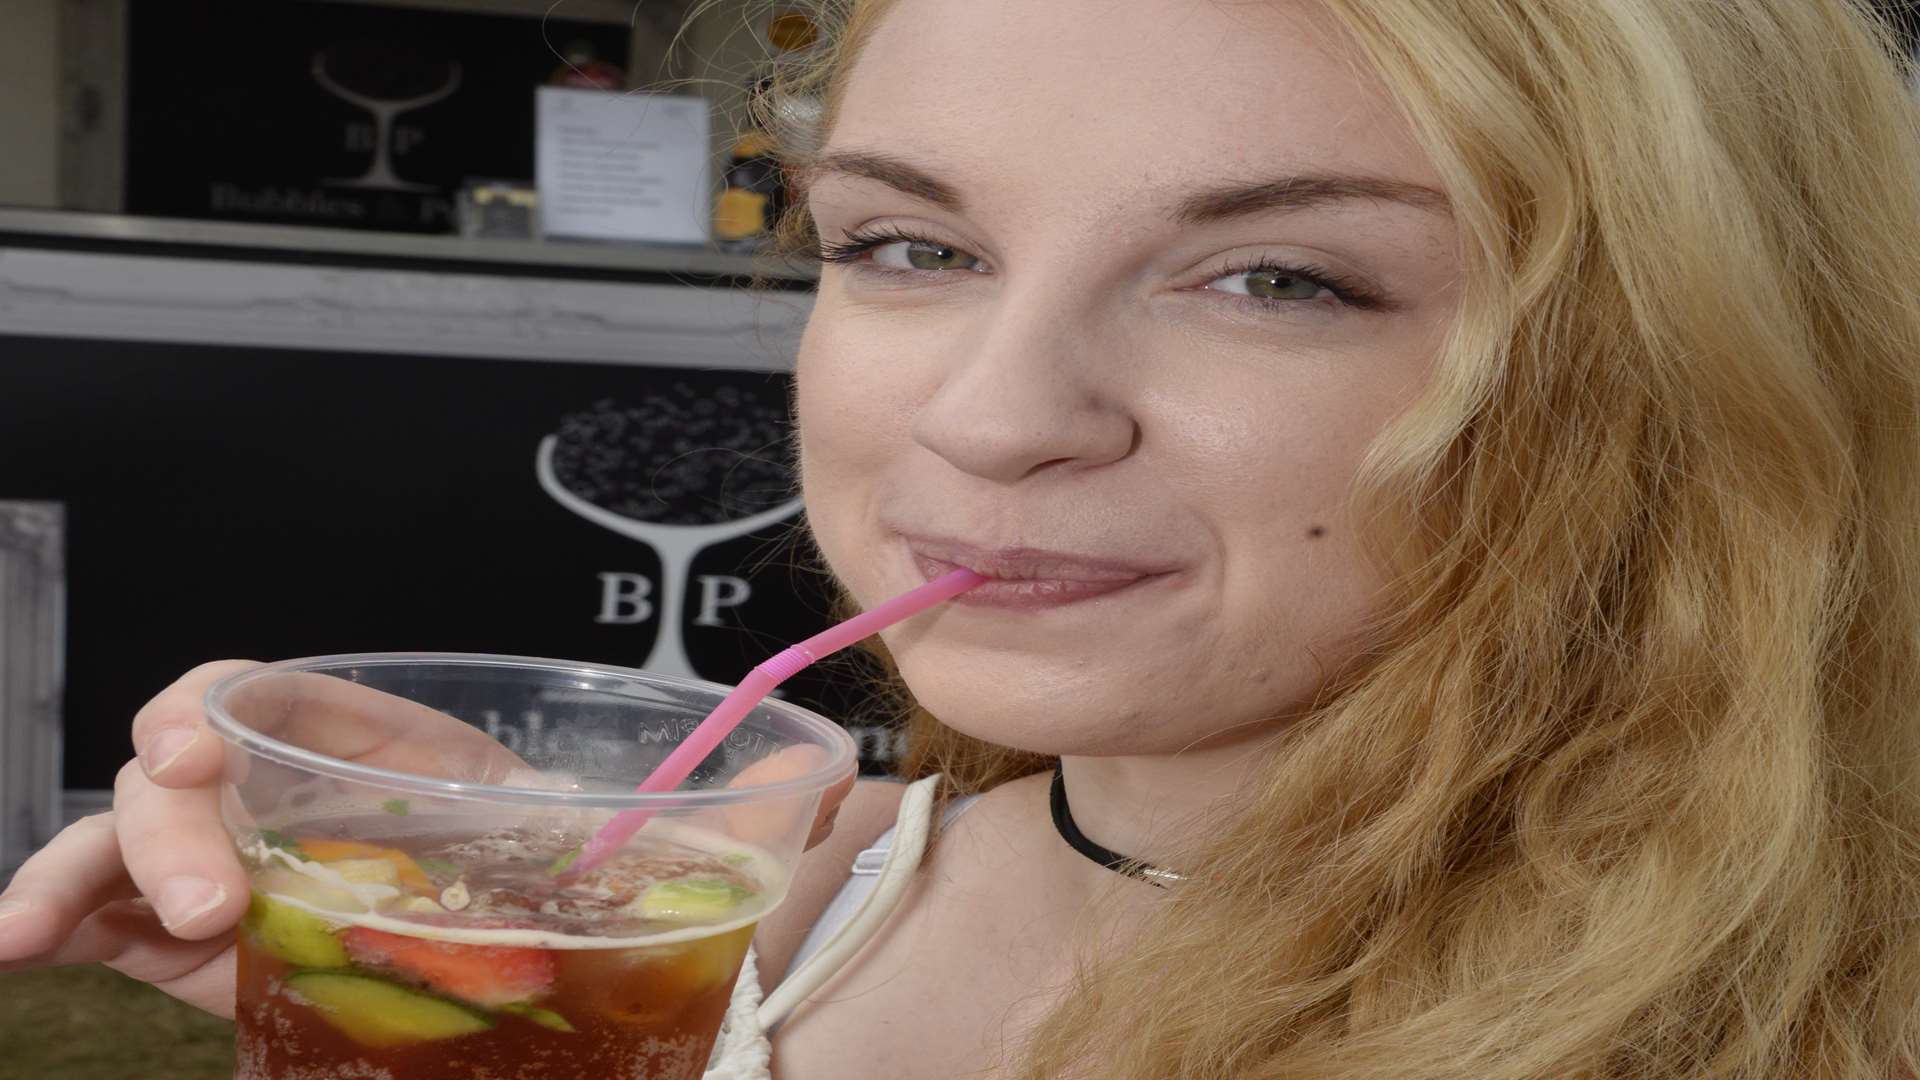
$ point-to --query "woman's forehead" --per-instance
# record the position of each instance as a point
(1155, 92)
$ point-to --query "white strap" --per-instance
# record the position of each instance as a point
(742, 1051)
(903, 858)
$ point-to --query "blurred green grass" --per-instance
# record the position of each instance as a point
(91, 1023)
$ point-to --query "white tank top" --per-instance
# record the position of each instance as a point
(880, 875)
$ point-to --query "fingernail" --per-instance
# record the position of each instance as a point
(164, 749)
(184, 899)
(10, 908)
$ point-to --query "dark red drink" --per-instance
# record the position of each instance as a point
(420, 958)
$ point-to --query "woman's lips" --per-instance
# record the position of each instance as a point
(1024, 579)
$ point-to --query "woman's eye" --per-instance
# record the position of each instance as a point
(1271, 283)
(921, 255)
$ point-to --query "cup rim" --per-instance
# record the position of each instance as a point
(842, 754)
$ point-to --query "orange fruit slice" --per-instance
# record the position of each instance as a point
(326, 851)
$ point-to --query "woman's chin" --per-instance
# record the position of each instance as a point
(1022, 709)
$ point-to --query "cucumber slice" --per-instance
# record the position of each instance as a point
(373, 1012)
(692, 900)
(293, 935)
(546, 1018)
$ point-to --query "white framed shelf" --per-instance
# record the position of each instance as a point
(76, 229)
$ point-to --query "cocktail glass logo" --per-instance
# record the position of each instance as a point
(681, 470)
(389, 82)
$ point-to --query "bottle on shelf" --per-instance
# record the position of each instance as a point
(754, 191)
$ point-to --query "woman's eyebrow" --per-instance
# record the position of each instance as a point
(882, 168)
(1288, 193)
(1303, 193)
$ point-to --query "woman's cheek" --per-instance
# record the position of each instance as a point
(837, 476)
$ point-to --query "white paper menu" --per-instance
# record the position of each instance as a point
(614, 166)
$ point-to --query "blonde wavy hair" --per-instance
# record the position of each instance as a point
(1627, 783)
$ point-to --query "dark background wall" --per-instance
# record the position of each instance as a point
(230, 502)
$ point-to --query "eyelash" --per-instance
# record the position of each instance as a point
(1349, 292)
(859, 243)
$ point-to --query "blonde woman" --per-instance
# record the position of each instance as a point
(1451, 471)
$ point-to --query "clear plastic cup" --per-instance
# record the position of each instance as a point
(406, 820)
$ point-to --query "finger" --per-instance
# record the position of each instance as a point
(353, 722)
(59, 887)
(321, 713)
(210, 986)
(783, 764)
(127, 936)
(761, 822)
(830, 803)
(170, 733)
(179, 854)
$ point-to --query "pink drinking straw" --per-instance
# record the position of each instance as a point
(752, 690)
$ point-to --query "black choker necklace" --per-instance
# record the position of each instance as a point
(1112, 860)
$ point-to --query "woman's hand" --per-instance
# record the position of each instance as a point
(152, 889)
(763, 823)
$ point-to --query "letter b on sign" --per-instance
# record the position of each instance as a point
(624, 599)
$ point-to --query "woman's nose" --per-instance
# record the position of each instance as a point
(1023, 394)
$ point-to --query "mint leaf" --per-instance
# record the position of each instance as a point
(396, 806)
(438, 868)
(282, 841)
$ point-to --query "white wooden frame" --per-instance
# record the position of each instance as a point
(32, 645)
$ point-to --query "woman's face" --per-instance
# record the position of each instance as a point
(1121, 294)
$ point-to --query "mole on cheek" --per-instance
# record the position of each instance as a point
(1316, 532)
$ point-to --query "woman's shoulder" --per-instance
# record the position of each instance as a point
(869, 810)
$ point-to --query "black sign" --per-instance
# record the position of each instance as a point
(238, 502)
(344, 115)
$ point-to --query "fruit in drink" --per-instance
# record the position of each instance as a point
(375, 1013)
(486, 975)
(407, 872)
(299, 938)
(546, 1018)
(692, 900)
(497, 968)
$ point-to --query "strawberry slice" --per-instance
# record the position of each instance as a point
(485, 975)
